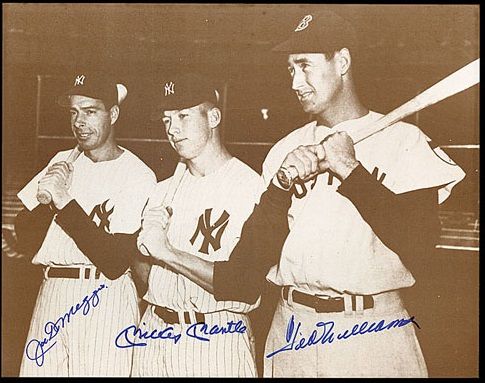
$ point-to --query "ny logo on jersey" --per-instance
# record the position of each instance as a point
(101, 216)
(205, 228)
(79, 80)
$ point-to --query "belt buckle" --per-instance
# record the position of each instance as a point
(46, 272)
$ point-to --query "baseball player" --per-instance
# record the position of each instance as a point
(216, 194)
(84, 241)
(337, 241)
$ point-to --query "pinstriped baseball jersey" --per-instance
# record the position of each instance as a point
(113, 193)
(208, 215)
(357, 261)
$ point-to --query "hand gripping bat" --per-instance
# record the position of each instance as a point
(169, 195)
(454, 83)
(44, 196)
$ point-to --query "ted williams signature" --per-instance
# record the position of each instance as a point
(324, 334)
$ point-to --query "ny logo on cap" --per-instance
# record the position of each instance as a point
(169, 88)
(79, 80)
(304, 23)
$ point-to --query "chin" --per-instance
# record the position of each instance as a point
(310, 109)
(185, 155)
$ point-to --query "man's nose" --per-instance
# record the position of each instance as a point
(298, 80)
(174, 127)
(79, 121)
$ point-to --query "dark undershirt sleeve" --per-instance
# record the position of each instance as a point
(407, 223)
(242, 277)
(111, 253)
(31, 228)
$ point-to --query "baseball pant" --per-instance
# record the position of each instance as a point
(84, 345)
(393, 352)
(225, 355)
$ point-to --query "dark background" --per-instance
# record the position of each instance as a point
(403, 50)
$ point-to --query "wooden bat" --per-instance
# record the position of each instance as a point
(44, 196)
(454, 83)
(168, 198)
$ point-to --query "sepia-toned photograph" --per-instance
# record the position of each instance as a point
(240, 190)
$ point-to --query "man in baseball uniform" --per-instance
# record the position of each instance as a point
(336, 242)
(84, 241)
(215, 196)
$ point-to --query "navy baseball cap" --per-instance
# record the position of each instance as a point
(182, 92)
(319, 33)
(95, 85)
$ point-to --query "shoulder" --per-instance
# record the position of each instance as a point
(290, 141)
(401, 134)
(60, 156)
(246, 178)
(244, 170)
(137, 168)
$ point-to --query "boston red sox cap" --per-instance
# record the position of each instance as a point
(183, 91)
(95, 85)
(320, 32)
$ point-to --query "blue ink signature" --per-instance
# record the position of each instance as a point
(200, 331)
(35, 349)
(327, 335)
(135, 331)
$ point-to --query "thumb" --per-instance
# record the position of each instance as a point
(323, 166)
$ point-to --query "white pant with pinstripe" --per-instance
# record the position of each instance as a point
(225, 355)
(84, 345)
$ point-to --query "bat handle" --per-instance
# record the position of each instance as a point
(44, 197)
(287, 177)
(143, 249)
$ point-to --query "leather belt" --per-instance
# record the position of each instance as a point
(172, 317)
(71, 272)
(325, 305)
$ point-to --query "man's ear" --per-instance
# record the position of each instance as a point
(114, 113)
(344, 61)
(214, 115)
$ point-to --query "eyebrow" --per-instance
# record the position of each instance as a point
(301, 60)
(87, 107)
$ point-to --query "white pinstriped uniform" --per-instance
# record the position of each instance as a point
(234, 188)
(331, 249)
(85, 345)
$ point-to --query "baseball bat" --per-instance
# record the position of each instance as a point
(44, 196)
(168, 198)
(452, 84)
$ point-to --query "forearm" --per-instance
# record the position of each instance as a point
(406, 222)
(242, 277)
(196, 269)
(111, 253)
(31, 228)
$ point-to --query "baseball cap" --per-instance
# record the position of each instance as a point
(320, 32)
(95, 85)
(183, 91)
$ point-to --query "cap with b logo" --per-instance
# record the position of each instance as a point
(182, 92)
(97, 86)
(319, 33)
